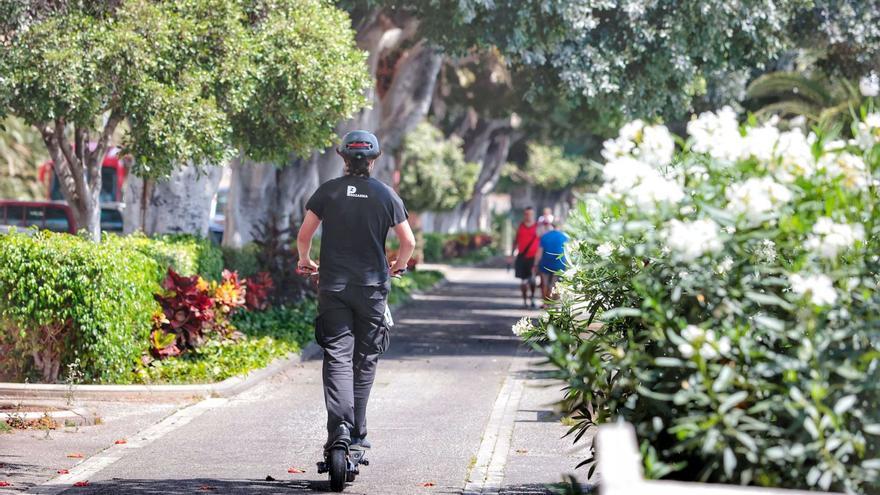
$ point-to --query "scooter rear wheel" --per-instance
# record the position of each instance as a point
(338, 465)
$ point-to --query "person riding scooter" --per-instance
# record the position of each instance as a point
(356, 212)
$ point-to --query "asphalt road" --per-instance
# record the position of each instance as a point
(454, 408)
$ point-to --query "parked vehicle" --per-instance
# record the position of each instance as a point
(50, 215)
(113, 174)
(53, 215)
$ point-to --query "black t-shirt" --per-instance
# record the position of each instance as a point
(356, 214)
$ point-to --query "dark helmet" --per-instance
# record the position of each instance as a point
(359, 144)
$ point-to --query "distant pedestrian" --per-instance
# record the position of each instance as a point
(524, 250)
(550, 259)
(545, 220)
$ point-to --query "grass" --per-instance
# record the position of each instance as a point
(269, 334)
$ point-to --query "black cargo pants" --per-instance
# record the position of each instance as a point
(350, 328)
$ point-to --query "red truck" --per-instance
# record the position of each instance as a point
(113, 174)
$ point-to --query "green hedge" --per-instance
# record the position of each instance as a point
(242, 260)
(187, 254)
(66, 299)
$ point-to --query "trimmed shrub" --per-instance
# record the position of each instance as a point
(186, 254)
(737, 288)
(65, 299)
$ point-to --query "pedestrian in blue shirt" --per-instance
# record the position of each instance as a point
(550, 259)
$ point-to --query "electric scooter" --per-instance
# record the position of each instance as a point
(340, 461)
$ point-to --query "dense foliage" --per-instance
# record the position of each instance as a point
(546, 167)
(735, 290)
(65, 299)
(186, 254)
(434, 174)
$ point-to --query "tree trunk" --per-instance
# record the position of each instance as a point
(77, 167)
(261, 192)
(251, 187)
(180, 204)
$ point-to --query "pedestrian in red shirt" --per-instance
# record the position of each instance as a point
(524, 249)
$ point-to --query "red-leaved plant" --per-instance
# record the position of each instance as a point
(259, 287)
(188, 309)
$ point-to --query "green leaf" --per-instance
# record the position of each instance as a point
(732, 400)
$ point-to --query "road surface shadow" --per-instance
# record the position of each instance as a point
(204, 485)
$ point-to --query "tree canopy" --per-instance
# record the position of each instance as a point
(435, 175)
(195, 79)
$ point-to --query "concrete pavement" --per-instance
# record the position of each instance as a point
(455, 409)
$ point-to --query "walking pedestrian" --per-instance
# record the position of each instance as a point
(523, 255)
(550, 260)
(356, 212)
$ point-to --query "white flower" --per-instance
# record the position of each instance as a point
(690, 240)
(639, 184)
(522, 327)
(756, 198)
(653, 144)
(657, 145)
(868, 131)
(709, 346)
(766, 252)
(869, 85)
(760, 142)
(830, 238)
(725, 265)
(692, 333)
(794, 156)
(605, 249)
(850, 167)
(818, 287)
(717, 134)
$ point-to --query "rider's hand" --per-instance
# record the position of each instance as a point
(307, 266)
(397, 270)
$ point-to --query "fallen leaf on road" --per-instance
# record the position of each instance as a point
(294, 470)
(522, 451)
(81, 483)
(207, 488)
(121, 441)
(75, 455)
(428, 483)
(270, 478)
(5, 483)
(63, 471)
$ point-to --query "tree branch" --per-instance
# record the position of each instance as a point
(96, 158)
(80, 188)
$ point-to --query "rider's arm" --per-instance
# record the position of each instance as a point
(304, 239)
(407, 245)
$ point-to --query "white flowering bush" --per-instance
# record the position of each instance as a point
(736, 286)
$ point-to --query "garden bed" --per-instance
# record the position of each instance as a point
(270, 334)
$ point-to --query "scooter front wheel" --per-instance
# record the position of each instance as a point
(338, 467)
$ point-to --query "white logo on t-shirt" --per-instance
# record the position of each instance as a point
(351, 192)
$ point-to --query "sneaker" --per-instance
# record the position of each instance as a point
(360, 444)
(533, 304)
